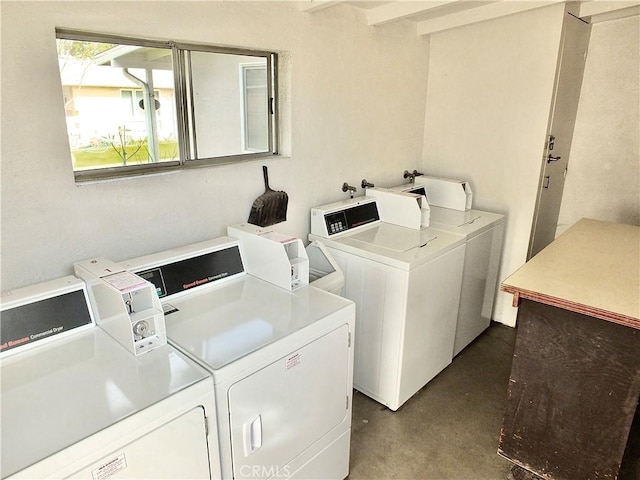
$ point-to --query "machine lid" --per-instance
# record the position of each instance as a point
(396, 246)
(469, 223)
(65, 391)
(220, 325)
(384, 237)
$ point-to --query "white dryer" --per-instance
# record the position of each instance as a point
(75, 403)
(484, 234)
(281, 360)
(406, 286)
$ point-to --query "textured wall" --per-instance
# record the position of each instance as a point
(488, 101)
(354, 102)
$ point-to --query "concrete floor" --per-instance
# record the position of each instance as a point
(449, 429)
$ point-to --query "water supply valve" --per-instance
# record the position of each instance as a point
(348, 188)
(412, 175)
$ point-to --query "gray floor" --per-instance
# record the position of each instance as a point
(449, 429)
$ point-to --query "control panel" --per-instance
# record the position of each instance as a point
(336, 218)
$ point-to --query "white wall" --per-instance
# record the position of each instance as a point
(603, 180)
(488, 100)
(357, 103)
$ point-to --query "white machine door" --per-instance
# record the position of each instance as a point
(175, 450)
(281, 410)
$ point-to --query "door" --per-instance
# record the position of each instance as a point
(573, 51)
(280, 411)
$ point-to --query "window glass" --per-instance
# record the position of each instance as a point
(134, 106)
(224, 116)
(119, 104)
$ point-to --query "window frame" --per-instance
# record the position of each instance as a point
(184, 105)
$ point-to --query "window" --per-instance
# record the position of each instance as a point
(139, 106)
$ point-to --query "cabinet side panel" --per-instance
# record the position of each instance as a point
(573, 391)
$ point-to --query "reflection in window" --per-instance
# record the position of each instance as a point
(222, 116)
(255, 103)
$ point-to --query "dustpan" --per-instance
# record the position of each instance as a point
(270, 207)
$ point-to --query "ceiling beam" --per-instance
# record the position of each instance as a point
(480, 14)
(315, 5)
(615, 14)
(609, 8)
(399, 10)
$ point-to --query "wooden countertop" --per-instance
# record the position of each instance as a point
(593, 268)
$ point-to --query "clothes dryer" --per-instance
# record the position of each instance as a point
(75, 403)
(406, 286)
(281, 360)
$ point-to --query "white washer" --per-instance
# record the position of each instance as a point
(406, 286)
(79, 405)
(484, 233)
(281, 360)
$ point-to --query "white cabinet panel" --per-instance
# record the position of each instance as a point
(432, 313)
(479, 284)
(405, 322)
(176, 450)
(476, 268)
(367, 284)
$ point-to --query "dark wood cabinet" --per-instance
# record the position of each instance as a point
(573, 392)
(575, 378)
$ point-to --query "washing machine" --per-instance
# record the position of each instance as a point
(280, 357)
(484, 235)
(76, 404)
(406, 286)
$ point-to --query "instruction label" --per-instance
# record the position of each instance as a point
(125, 281)
(110, 468)
(293, 361)
(278, 237)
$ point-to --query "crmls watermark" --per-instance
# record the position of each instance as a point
(264, 471)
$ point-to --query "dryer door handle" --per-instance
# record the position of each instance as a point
(252, 435)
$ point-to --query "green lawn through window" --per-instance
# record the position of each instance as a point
(106, 156)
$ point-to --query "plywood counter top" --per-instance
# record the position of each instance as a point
(593, 268)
